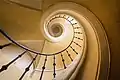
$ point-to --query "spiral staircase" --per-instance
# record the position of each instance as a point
(72, 42)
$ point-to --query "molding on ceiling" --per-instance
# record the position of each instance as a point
(33, 4)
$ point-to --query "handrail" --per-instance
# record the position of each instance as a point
(18, 44)
(4, 67)
(36, 52)
(26, 48)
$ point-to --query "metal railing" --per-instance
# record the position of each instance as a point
(26, 49)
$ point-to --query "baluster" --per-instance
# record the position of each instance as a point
(5, 45)
(54, 64)
(53, 18)
(69, 55)
(77, 44)
(59, 16)
(78, 38)
(4, 67)
(50, 20)
(56, 16)
(68, 17)
(63, 61)
(77, 27)
(73, 49)
(28, 68)
(74, 23)
(71, 20)
(64, 16)
(77, 32)
(43, 68)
